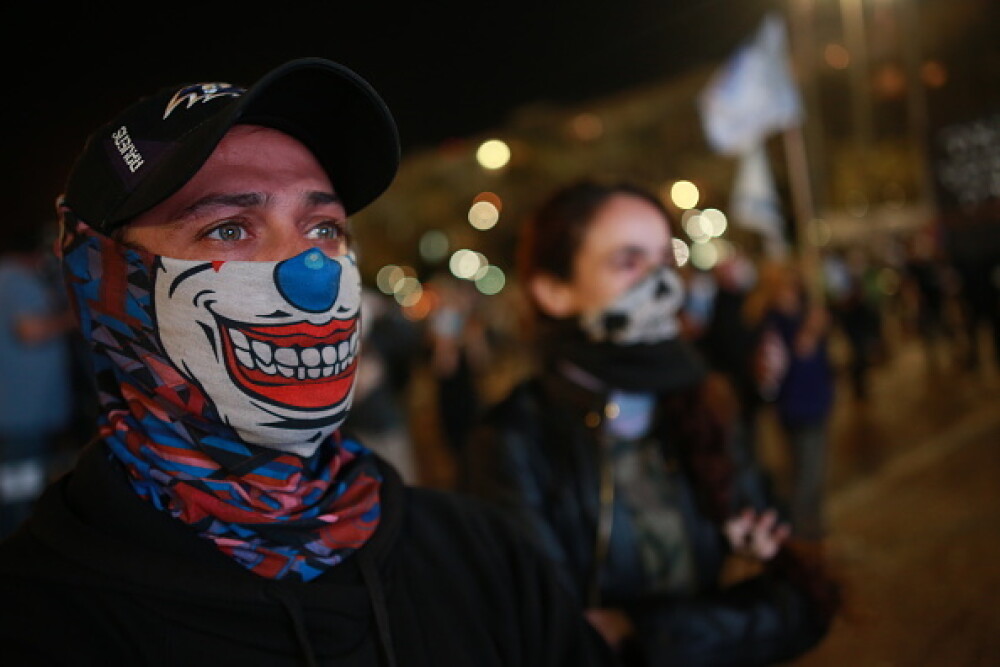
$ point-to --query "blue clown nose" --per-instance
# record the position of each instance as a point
(309, 281)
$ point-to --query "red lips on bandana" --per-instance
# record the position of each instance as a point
(309, 393)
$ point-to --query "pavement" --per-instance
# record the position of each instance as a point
(914, 511)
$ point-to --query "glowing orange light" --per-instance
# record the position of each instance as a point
(836, 56)
(889, 81)
(586, 126)
(418, 311)
(428, 300)
(490, 197)
(934, 74)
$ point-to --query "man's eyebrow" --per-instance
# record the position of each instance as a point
(248, 199)
(319, 197)
(238, 199)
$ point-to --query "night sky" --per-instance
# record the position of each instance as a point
(445, 69)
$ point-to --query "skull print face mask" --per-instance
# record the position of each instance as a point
(634, 344)
(645, 313)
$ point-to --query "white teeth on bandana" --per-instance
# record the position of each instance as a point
(301, 363)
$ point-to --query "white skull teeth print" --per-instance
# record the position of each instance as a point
(273, 345)
(301, 363)
(645, 313)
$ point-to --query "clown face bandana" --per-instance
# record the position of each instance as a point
(221, 387)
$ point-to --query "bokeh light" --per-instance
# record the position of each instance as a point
(682, 252)
(433, 245)
(490, 197)
(484, 265)
(491, 281)
(408, 291)
(704, 255)
(388, 277)
(693, 223)
(419, 310)
(933, 74)
(714, 222)
(889, 81)
(465, 264)
(483, 215)
(586, 126)
(493, 154)
(836, 56)
(684, 194)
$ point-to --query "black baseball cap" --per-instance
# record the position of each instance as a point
(150, 150)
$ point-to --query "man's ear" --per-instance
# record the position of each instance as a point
(555, 297)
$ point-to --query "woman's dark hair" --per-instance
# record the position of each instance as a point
(551, 236)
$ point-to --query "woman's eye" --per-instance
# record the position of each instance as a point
(226, 232)
(627, 263)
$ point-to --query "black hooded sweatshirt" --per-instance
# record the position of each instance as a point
(99, 577)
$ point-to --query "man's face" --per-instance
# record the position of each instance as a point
(273, 345)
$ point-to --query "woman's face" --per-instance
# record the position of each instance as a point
(626, 239)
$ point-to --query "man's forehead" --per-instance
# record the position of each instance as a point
(252, 139)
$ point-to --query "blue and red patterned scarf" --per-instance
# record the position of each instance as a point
(222, 385)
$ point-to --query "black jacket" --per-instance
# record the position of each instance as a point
(99, 577)
(539, 457)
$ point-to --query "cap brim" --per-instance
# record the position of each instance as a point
(326, 106)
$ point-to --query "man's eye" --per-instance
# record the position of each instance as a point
(326, 231)
(226, 232)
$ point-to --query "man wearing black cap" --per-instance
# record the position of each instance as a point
(221, 516)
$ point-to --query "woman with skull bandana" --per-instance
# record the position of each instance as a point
(616, 456)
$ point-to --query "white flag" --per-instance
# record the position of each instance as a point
(753, 95)
(755, 204)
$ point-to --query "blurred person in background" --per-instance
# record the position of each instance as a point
(930, 284)
(728, 344)
(797, 376)
(616, 456)
(855, 303)
(222, 516)
(459, 355)
(37, 401)
(379, 416)
(976, 259)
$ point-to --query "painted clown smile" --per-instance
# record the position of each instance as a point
(297, 365)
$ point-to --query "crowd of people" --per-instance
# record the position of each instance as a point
(246, 484)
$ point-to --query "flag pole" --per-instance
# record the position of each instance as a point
(800, 171)
(803, 209)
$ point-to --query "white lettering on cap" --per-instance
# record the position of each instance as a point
(130, 154)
